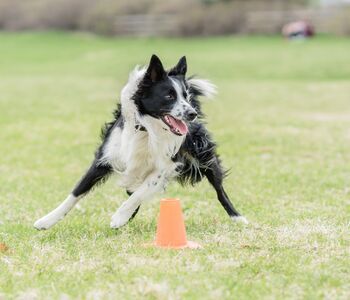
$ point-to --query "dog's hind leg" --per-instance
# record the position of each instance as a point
(215, 175)
(94, 175)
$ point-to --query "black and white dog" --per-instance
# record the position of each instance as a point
(154, 137)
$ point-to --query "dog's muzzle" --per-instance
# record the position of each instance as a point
(191, 115)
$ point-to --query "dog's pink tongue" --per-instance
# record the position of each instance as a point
(181, 126)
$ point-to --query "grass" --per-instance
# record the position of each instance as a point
(282, 122)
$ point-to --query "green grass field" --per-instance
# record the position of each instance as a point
(282, 122)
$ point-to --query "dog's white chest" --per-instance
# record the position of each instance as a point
(136, 154)
(137, 160)
(128, 153)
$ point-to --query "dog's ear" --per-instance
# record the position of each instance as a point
(155, 71)
(180, 68)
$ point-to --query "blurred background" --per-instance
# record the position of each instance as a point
(175, 17)
(282, 123)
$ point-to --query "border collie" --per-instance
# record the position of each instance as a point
(157, 135)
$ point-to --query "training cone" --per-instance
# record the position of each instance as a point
(171, 231)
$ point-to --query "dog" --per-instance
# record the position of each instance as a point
(157, 135)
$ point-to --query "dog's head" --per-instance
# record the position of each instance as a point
(165, 95)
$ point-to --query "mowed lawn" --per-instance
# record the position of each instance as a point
(282, 123)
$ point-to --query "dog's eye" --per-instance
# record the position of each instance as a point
(170, 97)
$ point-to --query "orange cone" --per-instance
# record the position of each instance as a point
(171, 231)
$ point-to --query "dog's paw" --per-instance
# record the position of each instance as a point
(43, 224)
(120, 218)
(240, 219)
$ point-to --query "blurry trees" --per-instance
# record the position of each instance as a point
(185, 17)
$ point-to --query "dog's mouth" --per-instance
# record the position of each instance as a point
(176, 126)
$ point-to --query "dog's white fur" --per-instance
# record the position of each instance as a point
(142, 158)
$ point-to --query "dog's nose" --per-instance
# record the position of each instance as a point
(191, 115)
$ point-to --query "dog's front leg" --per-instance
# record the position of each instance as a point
(153, 184)
(94, 175)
